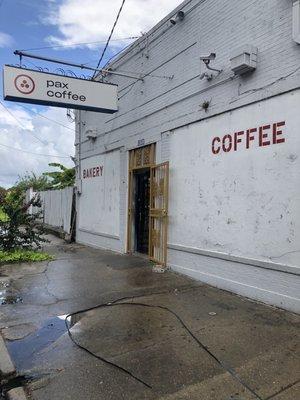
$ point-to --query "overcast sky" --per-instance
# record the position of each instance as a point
(30, 24)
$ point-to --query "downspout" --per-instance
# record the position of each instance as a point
(79, 182)
(78, 189)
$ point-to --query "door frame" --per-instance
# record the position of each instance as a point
(139, 158)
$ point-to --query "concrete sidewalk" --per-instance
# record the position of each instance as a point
(240, 350)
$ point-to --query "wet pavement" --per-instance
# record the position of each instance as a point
(23, 350)
(171, 338)
(7, 295)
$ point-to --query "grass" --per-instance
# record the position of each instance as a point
(3, 216)
(17, 256)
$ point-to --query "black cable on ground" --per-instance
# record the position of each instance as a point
(103, 359)
(124, 303)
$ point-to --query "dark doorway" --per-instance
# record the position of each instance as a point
(142, 200)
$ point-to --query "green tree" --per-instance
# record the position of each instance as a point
(38, 183)
(2, 195)
(60, 179)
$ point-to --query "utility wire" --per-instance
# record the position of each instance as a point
(116, 54)
(112, 57)
(43, 142)
(110, 35)
(21, 125)
(13, 116)
(30, 152)
(49, 119)
(78, 44)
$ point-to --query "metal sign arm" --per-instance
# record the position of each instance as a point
(82, 66)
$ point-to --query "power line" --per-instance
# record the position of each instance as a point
(21, 125)
(13, 116)
(77, 44)
(116, 54)
(110, 35)
(30, 152)
(109, 60)
(49, 119)
(43, 142)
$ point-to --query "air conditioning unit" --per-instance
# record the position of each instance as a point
(244, 59)
(296, 21)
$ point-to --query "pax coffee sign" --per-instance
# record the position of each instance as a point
(36, 87)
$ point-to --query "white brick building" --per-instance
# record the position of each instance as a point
(232, 142)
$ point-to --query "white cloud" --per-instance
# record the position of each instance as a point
(5, 40)
(92, 20)
(57, 141)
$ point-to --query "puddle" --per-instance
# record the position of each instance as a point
(24, 351)
(8, 298)
(7, 295)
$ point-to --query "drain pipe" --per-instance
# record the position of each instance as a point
(79, 182)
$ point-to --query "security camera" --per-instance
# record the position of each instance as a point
(208, 59)
(179, 17)
(209, 77)
(91, 135)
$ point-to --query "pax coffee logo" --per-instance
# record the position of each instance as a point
(24, 84)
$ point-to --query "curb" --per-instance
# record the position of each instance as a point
(16, 394)
(6, 365)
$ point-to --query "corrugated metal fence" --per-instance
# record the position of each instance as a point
(57, 207)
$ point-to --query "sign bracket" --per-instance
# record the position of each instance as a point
(81, 66)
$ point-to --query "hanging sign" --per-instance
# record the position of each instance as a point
(28, 86)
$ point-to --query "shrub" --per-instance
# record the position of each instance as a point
(20, 230)
(23, 256)
(3, 216)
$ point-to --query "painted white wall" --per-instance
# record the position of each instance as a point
(272, 287)
(250, 188)
(244, 203)
(99, 203)
(158, 104)
(57, 207)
